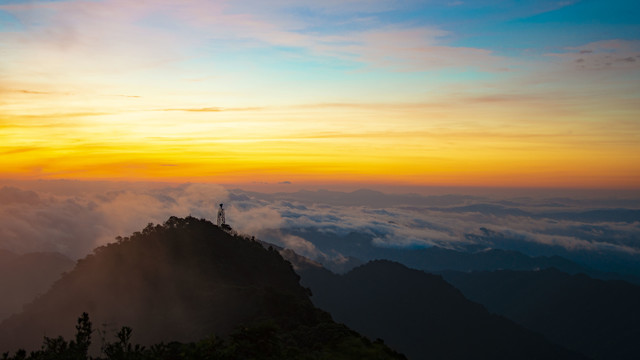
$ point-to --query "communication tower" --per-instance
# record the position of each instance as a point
(221, 219)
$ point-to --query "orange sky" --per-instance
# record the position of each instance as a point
(236, 93)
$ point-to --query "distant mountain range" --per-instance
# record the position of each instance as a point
(598, 318)
(358, 249)
(435, 259)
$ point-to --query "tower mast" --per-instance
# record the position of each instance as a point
(221, 219)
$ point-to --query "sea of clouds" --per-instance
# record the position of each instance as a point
(74, 217)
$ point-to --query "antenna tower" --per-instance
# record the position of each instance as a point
(221, 219)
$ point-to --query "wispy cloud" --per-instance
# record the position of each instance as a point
(215, 109)
(603, 55)
(71, 31)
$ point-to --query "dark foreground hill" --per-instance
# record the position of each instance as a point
(24, 276)
(598, 318)
(421, 315)
(184, 281)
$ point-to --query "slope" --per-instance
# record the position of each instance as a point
(180, 281)
(598, 318)
(24, 276)
(422, 315)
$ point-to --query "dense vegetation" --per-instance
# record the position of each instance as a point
(327, 340)
(191, 291)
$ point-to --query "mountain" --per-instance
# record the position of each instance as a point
(422, 315)
(603, 264)
(359, 247)
(183, 281)
(24, 276)
(596, 317)
(437, 259)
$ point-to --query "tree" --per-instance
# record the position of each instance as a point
(123, 349)
(83, 337)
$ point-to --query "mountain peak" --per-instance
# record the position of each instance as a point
(183, 280)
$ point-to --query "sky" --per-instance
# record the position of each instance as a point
(413, 93)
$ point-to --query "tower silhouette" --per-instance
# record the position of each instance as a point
(221, 219)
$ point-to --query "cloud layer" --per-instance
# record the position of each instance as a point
(73, 218)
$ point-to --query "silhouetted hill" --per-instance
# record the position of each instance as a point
(23, 277)
(596, 317)
(183, 281)
(422, 315)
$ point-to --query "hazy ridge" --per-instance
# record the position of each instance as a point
(183, 281)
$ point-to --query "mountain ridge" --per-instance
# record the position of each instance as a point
(422, 315)
(183, 281)
(593, 316)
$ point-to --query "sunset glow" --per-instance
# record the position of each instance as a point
(533, 94)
